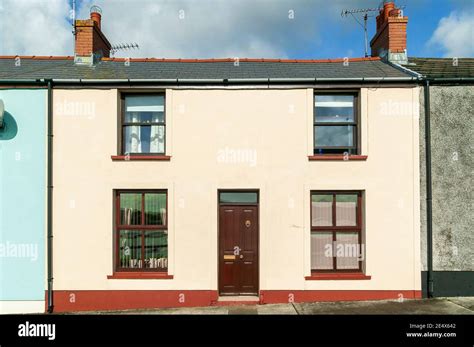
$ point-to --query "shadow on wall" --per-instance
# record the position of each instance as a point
(9, 129)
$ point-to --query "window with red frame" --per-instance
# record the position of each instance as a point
(336, 231)
(141, 230)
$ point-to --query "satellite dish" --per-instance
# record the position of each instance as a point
(2, 112)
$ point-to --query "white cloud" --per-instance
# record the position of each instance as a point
(203, 28)
(455, 35)
(35, 27)
(210, 28)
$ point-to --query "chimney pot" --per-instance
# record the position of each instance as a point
(96, 17)
(387, 7)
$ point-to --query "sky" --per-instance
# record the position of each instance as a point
(303, 29)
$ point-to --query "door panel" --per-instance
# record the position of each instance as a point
(249, 247)
(238, 250)
(228, 217)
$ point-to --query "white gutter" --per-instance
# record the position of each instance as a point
(405, 69)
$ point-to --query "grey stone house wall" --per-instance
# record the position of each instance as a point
(452, 145)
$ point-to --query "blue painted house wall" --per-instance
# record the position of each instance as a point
(22, 197)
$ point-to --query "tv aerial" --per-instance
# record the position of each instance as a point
(123, 46)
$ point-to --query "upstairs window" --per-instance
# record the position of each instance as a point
(335, 124)
(143, 124)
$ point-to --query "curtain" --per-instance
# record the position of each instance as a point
(346, 213)
(322, 213)
(321, 251)
(135, 145)
(349, 245)
(157, 138)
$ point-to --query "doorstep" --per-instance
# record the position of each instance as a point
(236, 300)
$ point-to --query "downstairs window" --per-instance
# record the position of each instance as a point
(141, 231)
(336, 244)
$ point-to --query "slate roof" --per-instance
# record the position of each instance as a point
(442, 67)
(115, 68)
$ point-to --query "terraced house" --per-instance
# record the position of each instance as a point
(447, 236)
(198, 182)
(22, 199)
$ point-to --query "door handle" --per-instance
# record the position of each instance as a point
(241, 256)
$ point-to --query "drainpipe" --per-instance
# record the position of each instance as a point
(429, 193)
(50, 197)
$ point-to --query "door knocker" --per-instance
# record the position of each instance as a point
(247, 223)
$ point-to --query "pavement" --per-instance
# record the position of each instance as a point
(442, 306)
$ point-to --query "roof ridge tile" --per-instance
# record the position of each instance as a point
(203, 60)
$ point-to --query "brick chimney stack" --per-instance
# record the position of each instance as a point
(390, 40)
(90, 43)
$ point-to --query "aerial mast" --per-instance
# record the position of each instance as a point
(365, 11)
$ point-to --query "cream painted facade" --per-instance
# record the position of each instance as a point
(275, 127)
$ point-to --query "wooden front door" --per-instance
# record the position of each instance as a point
(238, 250)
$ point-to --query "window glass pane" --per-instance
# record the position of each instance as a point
(144, 139)
(321, 251)
(340, 100)
(130, 209)
(238, 197)
(144, 109)
(155, 209)
(130, 251)
(156, 249)
(346, 209)
(348, 251)
(334, 108)
(144, 117)
(321, 210)
(336, 136)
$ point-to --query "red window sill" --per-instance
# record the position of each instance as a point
(337, 276)
(336, 157)
(140, 275)
(140, 157)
